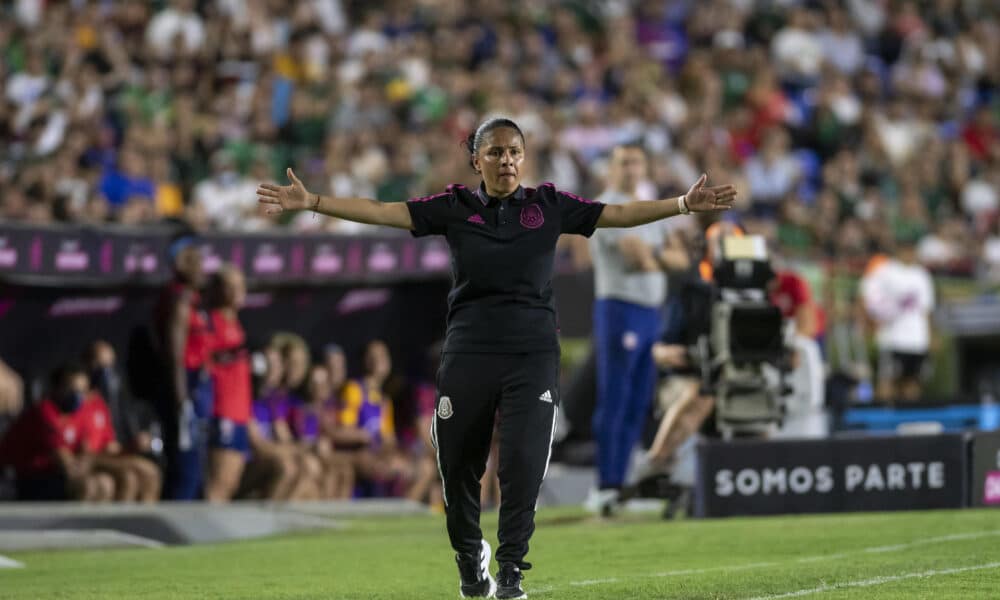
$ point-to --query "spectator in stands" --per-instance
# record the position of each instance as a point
(177, 30)
(229, 437)
(65, 448)
(841, 43)
(224, 195)
(306, 420)
(840, 74)
(129, 187)
(990, 256)
(185, 346)
(797, 49)
(772, 174)
(898, 295)
(366, 407)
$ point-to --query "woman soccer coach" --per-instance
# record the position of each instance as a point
(501, 349)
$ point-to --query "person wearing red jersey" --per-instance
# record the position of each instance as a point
(185, 344)
(64, 448)
(790, 293)
(228, 437)
(51, 446)
(805, 416)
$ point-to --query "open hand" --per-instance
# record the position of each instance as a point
(278, 198)
(702, 199)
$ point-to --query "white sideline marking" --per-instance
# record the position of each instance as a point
(745, 567)
(954, 537)
(678, 572)
(9, 563)
(594, 581)
(877, 581)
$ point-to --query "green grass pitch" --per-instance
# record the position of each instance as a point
(938, 554)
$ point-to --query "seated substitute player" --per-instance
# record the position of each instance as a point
(306, 420)
(343, 436)
(426, 484)
(365, 407)
(11, 391)
(64, 448)
(290, 471)
(271, 472)
(501, 347)
(296, 362)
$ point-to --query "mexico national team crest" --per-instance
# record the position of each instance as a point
(444, 408)
(531, 216)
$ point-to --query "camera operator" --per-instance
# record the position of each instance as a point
(690, 398)
(687, 405)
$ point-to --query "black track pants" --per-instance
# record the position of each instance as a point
(471, 387)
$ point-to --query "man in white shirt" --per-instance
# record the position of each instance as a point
(180, 19)
(630, 288)
(899, 296)
(228, 197)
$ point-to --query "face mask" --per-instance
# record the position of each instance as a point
(70, 401)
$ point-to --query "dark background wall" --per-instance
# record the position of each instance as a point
(43, 326)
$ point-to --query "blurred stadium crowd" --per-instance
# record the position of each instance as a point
(847, 124)
(853, 129)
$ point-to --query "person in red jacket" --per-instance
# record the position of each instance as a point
(64, 448)
(228, 437)
(790, 292)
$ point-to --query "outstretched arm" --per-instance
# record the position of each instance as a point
(698, 199)
(279, 198)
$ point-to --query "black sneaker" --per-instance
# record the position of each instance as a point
(509, 582)
(474, 570)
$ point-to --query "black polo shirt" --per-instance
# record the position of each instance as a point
(502, 253)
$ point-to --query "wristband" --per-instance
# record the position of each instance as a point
(682, 206)
(315, 206)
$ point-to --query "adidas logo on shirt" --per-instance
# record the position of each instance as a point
(546, 396)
